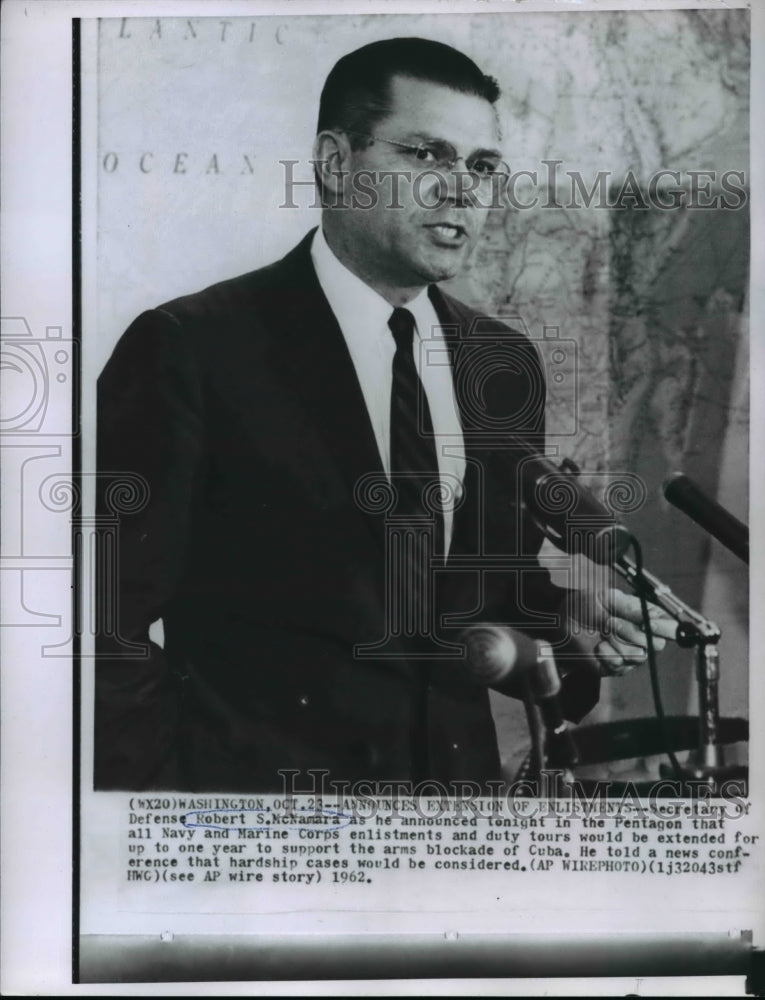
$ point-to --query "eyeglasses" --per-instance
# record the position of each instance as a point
(438, 154)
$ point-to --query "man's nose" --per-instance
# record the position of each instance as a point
(460, 183)
(456, 184)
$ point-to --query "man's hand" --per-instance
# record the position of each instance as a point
(618, 619)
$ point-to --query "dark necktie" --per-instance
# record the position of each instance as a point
(413, 458)
(420, 529)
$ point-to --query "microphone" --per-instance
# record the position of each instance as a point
(561, 505)
(683, 493)
(500, 657)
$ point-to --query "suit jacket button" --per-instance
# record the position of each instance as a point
(304, 701)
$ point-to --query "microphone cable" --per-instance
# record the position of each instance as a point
(533, 763)
(652, 668)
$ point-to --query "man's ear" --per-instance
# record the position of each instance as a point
(331, 160)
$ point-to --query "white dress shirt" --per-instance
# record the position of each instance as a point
(362, 315)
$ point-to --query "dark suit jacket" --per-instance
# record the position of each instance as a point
(240, 409)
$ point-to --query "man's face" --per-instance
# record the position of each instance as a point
(430, 235)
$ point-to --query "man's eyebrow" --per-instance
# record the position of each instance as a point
(420, 137)
(487, 152)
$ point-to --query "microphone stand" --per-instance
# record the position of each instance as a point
(555, 750)
(606, 545)
(693, 631)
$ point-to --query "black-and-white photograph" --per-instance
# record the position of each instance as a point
(498, 301)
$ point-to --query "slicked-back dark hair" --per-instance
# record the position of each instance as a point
(356, 94)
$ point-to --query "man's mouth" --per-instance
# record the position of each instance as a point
(448, 233)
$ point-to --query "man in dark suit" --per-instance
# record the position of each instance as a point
(328, 501)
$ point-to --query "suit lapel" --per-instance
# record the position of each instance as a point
(311, 352)
(466, 527)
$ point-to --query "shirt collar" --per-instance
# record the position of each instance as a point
(353, 300)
